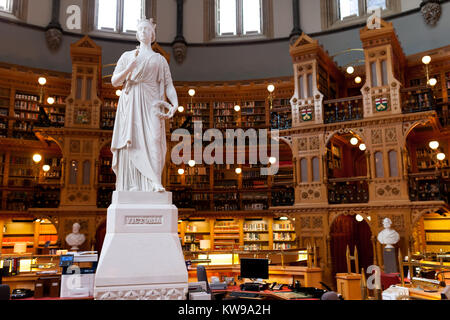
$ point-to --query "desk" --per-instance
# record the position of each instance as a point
(420, 294)
(285, 294)
(308, 277)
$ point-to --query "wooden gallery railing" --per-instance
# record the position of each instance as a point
(345, 109)
(348, 190)
(417, 99)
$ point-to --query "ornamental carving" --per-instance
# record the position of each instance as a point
(377, 136)
(431, 11)
(150, 294)
(388, 190)
(75, 146)
(390, 135)
(302, 144)
(317, 222)
(314, 143)
(305, 222)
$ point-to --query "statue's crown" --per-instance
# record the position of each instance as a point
(145, 20)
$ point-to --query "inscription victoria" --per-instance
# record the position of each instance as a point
(144, 220)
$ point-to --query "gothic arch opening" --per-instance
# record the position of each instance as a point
(345, 231)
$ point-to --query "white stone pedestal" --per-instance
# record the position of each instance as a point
(141, 258)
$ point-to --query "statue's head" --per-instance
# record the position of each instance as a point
(146, 31)
(387, 223)
(76, 227)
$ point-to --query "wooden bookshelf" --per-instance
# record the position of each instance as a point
(109, 110)
(284, 236)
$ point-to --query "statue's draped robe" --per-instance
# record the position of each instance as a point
(139, 139)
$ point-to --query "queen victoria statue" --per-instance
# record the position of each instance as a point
(141, 257)
(139, 139)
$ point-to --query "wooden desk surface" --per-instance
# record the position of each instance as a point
(276, 294)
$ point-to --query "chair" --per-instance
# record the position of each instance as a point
(4, 292)
(389, 279)
(201, 276)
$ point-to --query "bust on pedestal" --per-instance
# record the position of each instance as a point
(75, 239)
(389, 237)
(141, 258)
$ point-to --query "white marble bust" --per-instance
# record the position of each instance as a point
(388, 236)
(75, 239)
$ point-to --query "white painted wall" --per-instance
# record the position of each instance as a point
(166, 19)
(193, 20)
(282, 18)
(310, 16)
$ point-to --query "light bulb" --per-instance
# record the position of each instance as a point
(46, 168)
(118, 93)
(369, 218)
(434, 145)
(362, 147)
(426, 60)
(237, 108)
(350, 70)
(440, 156)
(37, 158)
(432, 82)
(238, 170)
(192, 163)
(180, 172)
(271, 88)
(50, 100)
(354, 141)
(358, 80)
(191, 92)
(273, 160)
(359, 218)
(180, 109)
(42, 81)
(284, 218)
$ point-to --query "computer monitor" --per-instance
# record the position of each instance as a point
(66, 260)
(254, 268)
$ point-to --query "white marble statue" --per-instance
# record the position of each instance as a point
(75, 239)
(388, 236)
(139, 138)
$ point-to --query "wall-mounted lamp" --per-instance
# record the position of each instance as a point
(46, 168)
(358, 80)
(238, 170)
(42, 81)
(359, 218)
(284, 218)
(271, 89)
(362, 147)
(426, 60)
(440, 156)
(191, 163)
(118, 93)
(37, 158)
(180, 109)
(434, 145)
(50, 100)
(180, 172)
(237, 108)
(350, 70)
(354, 141)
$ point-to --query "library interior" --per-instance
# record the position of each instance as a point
(348, 201)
